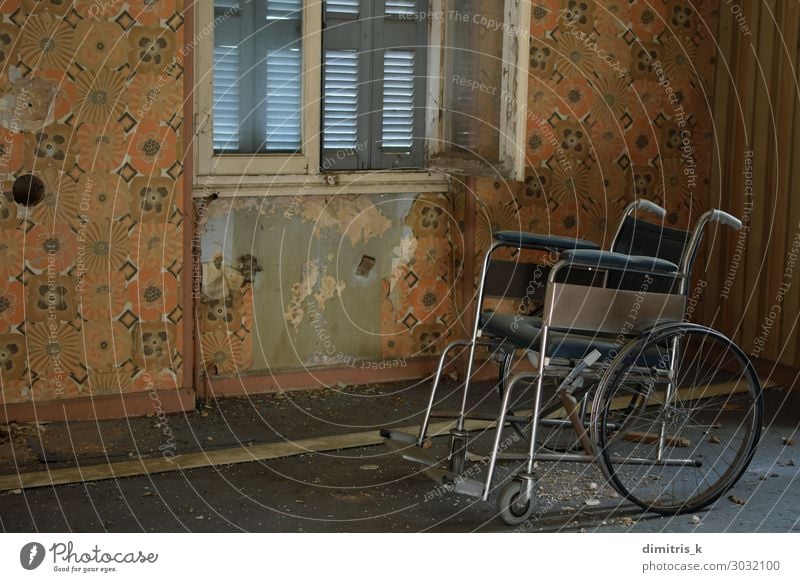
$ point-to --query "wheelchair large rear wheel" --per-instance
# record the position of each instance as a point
(696, 423)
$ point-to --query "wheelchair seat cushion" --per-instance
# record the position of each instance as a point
(523, 332)
(531, 240)
(618, 261)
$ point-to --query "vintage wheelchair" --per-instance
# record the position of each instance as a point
(670, 410)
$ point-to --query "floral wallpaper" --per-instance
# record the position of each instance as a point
(226, 323)
(619, 108)
(90, 278)
(421, 296)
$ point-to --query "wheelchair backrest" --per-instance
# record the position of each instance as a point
(640, 237)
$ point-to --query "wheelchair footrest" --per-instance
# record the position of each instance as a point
(456, 483)
(405, 445)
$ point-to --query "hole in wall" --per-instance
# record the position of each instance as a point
(28, 190)
(365, 266)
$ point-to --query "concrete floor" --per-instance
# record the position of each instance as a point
(363, 489)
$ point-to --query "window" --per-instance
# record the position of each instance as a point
(374, 84)
(287, 89)
(257, 73)
(256, 88)
(472, 116)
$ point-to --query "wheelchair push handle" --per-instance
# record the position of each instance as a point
(727, 219)
(643, 204)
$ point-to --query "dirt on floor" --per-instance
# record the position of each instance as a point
(357, 489)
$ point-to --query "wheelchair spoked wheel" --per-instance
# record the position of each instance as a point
(694, 425)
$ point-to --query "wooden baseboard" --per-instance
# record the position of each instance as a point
(417, 368)
(141, 403)
(101, 407)
(358, 374)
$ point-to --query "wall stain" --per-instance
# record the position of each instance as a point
(355, 217)
(327, 289)
(301, 290)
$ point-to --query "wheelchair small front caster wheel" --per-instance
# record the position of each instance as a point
(458, 451)
(512, 509)
(457, 462)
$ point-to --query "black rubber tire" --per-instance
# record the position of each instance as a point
(510, 511)
(458, 456)
(649, 491)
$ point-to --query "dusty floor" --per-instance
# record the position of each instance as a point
(364, 489)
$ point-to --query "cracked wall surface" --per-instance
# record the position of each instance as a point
(311, 306)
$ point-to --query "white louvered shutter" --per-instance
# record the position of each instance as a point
(283, 102)
(340, 86)
(257, 76)
(397, 127)
(226, 98)
(400, 45)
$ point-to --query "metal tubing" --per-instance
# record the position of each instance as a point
(505, 370)
(423, 429)
(555, 457)
(691, 249)
(670, 392)
(697, 235)
(475, 327)
(629, 210)
(537, 400)
(501, 420)
(573, 458)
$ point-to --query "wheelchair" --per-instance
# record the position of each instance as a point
(670, 410)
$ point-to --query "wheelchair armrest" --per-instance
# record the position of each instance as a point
(619, 262)
(529, 240)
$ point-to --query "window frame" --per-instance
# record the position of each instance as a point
(299, 173)
(513, 104)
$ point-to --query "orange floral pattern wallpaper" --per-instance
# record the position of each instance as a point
(421, 296)
(619, 97)
(90, 278)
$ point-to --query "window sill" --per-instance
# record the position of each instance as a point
(329, 184)
(467, 166)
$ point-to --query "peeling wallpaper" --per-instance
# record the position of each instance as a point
(313, 305)
(90, 278)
